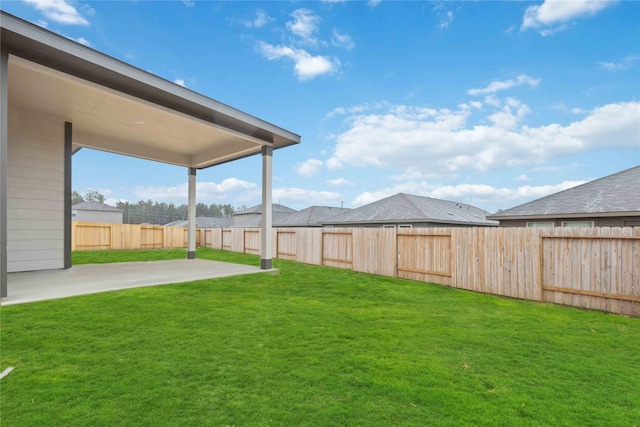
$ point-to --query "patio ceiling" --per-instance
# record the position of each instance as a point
(118, 108)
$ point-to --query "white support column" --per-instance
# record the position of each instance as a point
(4, 143)
(266, 262)
(191, 245)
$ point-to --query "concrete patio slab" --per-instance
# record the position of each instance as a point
(95, 278)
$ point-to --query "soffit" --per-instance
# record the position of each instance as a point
(118, 108)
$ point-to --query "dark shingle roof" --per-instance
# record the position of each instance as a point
(413, 209)
(312, 216)
(95, 206)
(617, 193)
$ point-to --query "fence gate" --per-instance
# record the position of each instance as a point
(424, 255)
(286, 245)
(88, 236)
(337, 249)
(251, 242)
(576, 268)
(226, 240)
(151, 237)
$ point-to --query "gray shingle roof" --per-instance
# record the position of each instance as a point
(255, 220)
(252, 217)
(257, 209)
(95, 206)
(617, 193)
(204, 222)
(413, 209)
(312, 216)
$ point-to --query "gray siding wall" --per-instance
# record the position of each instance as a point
(626, 221)
(99, 216)
(35, 191)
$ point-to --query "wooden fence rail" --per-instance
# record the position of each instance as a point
(594, 268)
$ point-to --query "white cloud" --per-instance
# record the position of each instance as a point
(610, 66)
(483, 195)
(261, 19)
(511, 114)
(441, 141)
(370, 197)
(206, 191)
(555, 15)
(113, 202)
(338, 111)
(307, 197)
(189, 3)
(60, 11)
(373, 3)
(522, 177)
(356, 109)
(343, 40)
(479, 195)
(618, 66)
(303, 28)
(180, 82)
(446, 20)
(83, 41)
(304, 25)
(333, 164)
(498, 86)
(306, 66)
(309, 167)
(340, 182)
(574, 110)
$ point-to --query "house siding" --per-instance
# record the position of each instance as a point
(625, 221)
(98, 216)
(35, 191)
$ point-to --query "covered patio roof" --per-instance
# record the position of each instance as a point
(122, 109)
(112, 106)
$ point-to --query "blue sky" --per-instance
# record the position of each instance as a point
(488, 103)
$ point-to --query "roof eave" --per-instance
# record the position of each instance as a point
(36, 44)
(564, 215)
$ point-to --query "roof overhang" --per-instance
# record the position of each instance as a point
(498, 217)
(122, 109)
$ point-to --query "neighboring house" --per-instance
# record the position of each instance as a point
(612, 201)
(312, 216)
(406, 210)
(204, 222)
(96, 212)
(252, 217)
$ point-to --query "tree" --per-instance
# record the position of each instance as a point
(76, 198)
(93, 196)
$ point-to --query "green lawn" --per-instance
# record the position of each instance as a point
(313, 346)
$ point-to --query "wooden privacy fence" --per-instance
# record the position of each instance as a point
(95, 236)
(595, 268)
